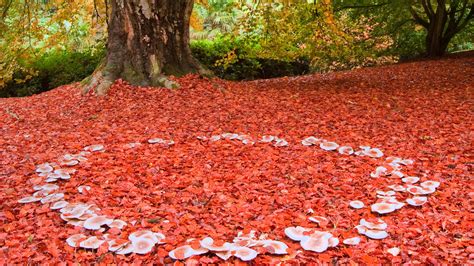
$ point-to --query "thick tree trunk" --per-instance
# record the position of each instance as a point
(148, 39)
(434, 39)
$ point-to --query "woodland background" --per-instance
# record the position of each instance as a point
(48, 43)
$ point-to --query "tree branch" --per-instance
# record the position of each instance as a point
(418, 19)
(6, 7)
(428, 8)
(361, 6)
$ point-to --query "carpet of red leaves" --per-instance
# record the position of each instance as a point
(418, 110)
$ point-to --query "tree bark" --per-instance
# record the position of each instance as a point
(442, 24)
(147, 40)
(434, 38)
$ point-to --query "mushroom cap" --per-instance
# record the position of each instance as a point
(95, 222)
(356, 204)
(224, 255)
(430, 184)
(333, 242)
(83, 188)
(320, 220)
(392, 159)
(280, 143)
(248, 141)
(143, 245)
(296, 233)
(209, 243)
(52, 198)
(416, 190)
(397, 174)
(244, 253)
(376, 224)
(267, 139)
(215, 138)
(116, 244)
(328, 145)
(124, 250)
(76, 211)
(274, 247)
(59, 205)
(75, 240)
(346, 150)
(156, 238)
(394, 251)
(44, 168)
(398, 188)
(309, 141)
(53, 176)
(317, 242)
(117, 223)
(29, 199)
(62, 174)
(41, 194)
(386, 193)
(376, 234)
(185, 252)
(379, 171)
(392, 200)
(132, 145)
(410, 179)
(70, 162)
(94, 147)
(417, 201)
(374, 153)
(92, 242)
(352, 241)
(383, 208)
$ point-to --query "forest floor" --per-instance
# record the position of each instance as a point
(197, 187)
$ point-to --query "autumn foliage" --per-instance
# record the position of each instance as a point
(196, 188)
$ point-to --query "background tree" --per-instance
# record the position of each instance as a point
(147, 40)
(441, 19)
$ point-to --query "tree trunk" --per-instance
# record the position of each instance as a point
(147, 40)
(434, 38)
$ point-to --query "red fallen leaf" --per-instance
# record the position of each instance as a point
(104, 248)
(53, 249)
(9, 215)
(198, 188)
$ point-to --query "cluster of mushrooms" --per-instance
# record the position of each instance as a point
(245, 246)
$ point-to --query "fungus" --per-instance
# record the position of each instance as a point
(410, 179)
(29, 199)
(95, 222)
(244, 253)
(92, 243)
(296, 233)
(328, 145)
(353, 241)
(75, 240)
(185, 252)
(383, 208)
(210, 244)
(274, 247)
(317, 242)
(346, 150)
(356, 204)
(143, 245)
(417, 201)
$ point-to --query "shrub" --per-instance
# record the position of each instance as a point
(53, 69)
(235, 59)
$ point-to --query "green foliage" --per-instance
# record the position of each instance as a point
(236, 59)
(53, 69)
(310, 30)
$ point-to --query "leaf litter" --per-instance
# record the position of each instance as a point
(274, 165)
